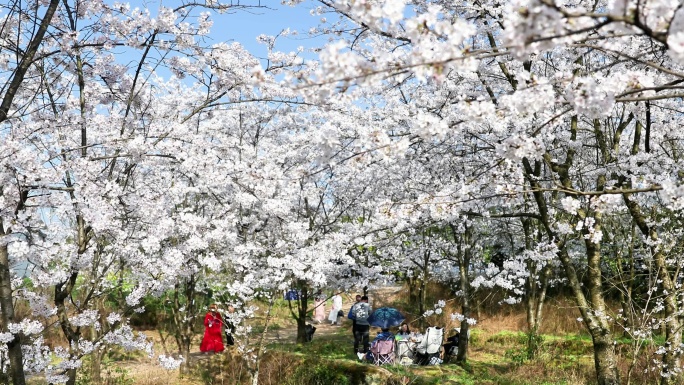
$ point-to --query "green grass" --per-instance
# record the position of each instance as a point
(335, 346)
(562, 360)
(334, 352)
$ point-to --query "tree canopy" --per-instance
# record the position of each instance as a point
(513, 144)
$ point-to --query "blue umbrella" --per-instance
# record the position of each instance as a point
(386, 317)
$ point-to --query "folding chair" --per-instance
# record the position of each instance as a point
(383, 352)
(405, 352)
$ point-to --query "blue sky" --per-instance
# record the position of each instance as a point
(244, 26)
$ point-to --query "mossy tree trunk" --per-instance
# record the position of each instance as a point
(14, 352)
(300, 312)
(588, 295)
(535, 294)
(463, 257)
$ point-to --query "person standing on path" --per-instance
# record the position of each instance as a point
(212, 342)
(361, 311)
(319, 307)
(351, 315)
(336, 309)
(229, 325)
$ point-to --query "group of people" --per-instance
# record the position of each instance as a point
(216, 325)
(423, 349)
(335, 314)
(214, 322)
(358, 314)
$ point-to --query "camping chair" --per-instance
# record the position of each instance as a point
(383, 352)
(428, 351)
(405, 352)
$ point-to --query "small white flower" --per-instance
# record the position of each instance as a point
(113, 318)
(170, 363)
(570, 205)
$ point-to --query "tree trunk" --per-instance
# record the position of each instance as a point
(626, 294)
(7, 309)
(260, 348)
(62, 292)
(184, 323)
(535, 306)
(411, 289)
(673, 328)
(95, 361)
(463, 267)
(534, 296)
(300, 317)
(673, 325)
(593, 310)
(71, 374)
(601, 334)
(6, 305)
(422, 293)
(605, 359)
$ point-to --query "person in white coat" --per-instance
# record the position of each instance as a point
(336, 308)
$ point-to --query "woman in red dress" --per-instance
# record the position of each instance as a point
(212, 341)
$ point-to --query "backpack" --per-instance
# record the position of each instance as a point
(361, 311)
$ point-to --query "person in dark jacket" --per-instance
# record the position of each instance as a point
(350, 315)
(361, 311)
(229, 326)
(451, 344)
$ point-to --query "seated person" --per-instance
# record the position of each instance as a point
(429, 349)
(404, 331)
(384, 335)
(451, 346)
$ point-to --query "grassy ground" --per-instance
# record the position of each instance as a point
(329, 360)
(494, 359)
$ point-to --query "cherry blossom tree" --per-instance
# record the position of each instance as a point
(562, 97)
(83, 205)
(136, 156)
